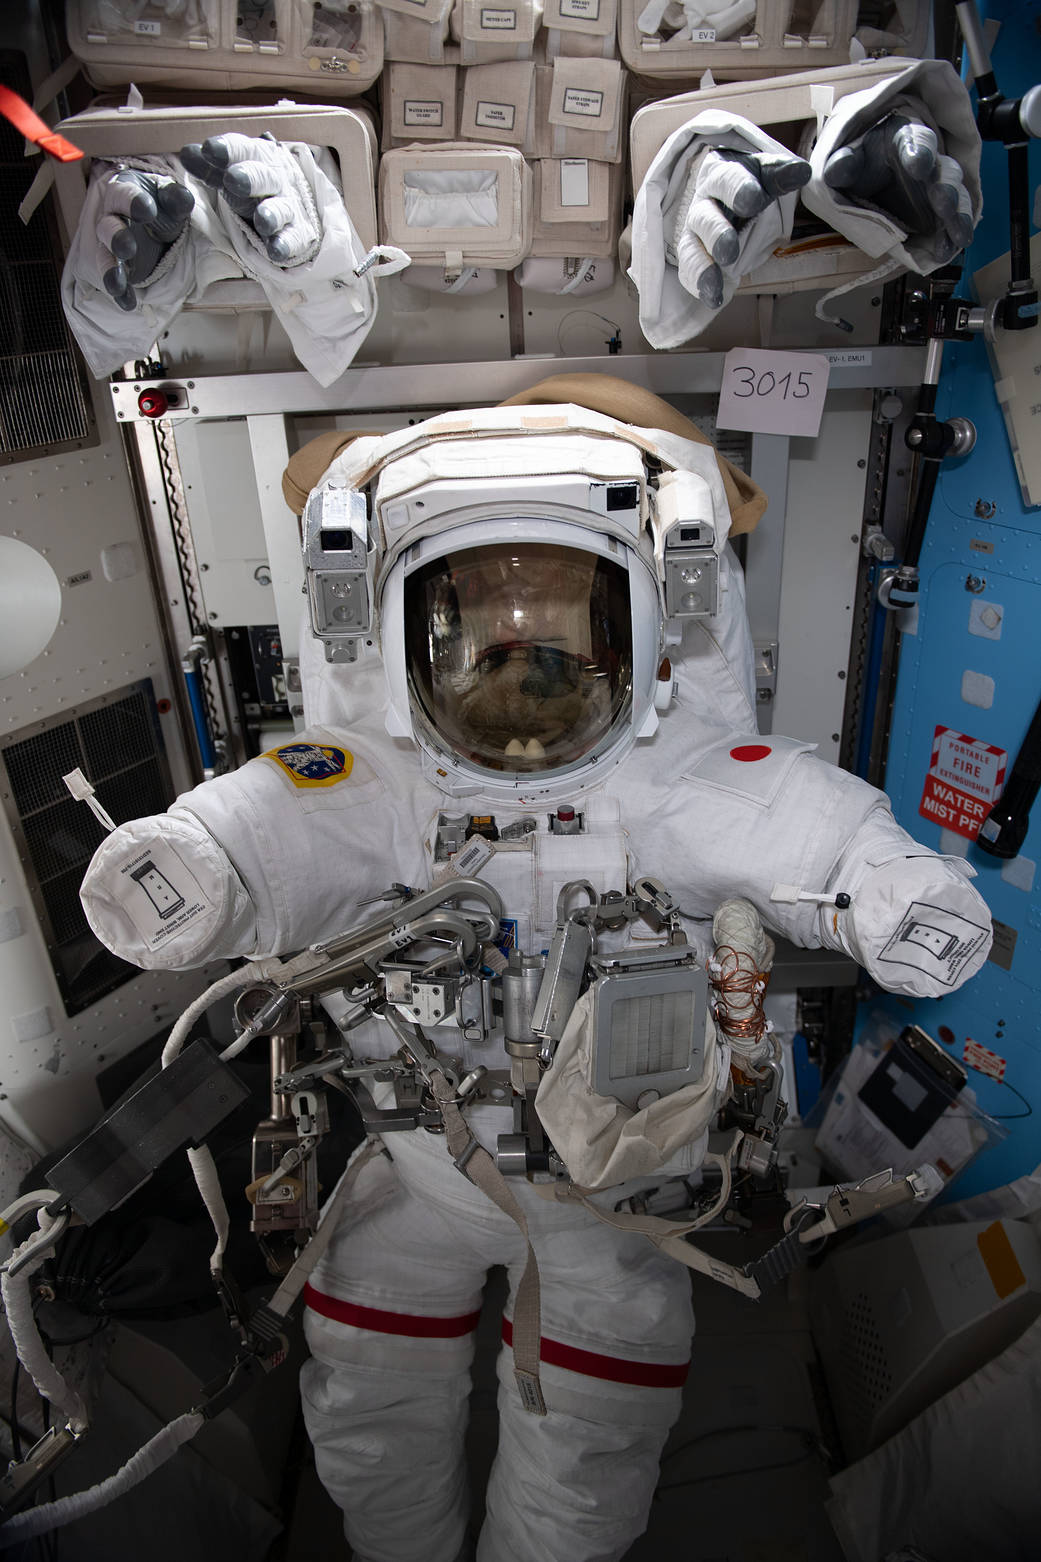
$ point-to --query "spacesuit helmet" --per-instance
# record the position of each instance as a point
(527, 649)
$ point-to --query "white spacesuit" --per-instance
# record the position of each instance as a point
(525, 576)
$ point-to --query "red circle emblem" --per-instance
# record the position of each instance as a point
(748, 752)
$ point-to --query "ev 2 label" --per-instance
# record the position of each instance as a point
(773, 392)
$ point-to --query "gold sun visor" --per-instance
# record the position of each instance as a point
(519, 655)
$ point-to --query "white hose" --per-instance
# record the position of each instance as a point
(32, 1353)
(201, 1160)
(207, 1180)
(245, 976)
(25, 1203)
(165, 1443)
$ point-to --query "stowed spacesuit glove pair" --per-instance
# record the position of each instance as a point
(143, 214)
(155, 236)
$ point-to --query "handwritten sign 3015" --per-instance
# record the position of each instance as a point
(773, 392)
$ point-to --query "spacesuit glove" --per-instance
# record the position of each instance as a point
(899, 167)
(143, 214)
(261, 183)
(725, 190)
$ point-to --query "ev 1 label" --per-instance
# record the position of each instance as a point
(773, 392)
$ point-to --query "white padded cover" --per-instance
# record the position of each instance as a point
(457, 205)
(112, 133)
(497, 102)
(572, 277)
(585, 29)
(781, 35)
(201, 45)
(416, 31)
(586, 109)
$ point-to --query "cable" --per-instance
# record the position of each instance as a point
(1000, 1117)
(571, 314)
(1010, 1117)
(739, 977)
(16, 1434)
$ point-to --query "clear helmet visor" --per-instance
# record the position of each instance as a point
(519, 656)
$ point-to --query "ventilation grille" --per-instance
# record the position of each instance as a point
(865, 1368)
(117, 744)
(43, 404)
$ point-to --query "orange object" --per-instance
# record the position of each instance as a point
(34, 129)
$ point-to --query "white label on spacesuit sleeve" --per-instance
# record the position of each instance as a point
(498, 21)
(581, 10)
(148, 29)
(937, 942)
(160, 894)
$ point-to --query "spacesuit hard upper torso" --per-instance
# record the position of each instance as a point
(315, 832)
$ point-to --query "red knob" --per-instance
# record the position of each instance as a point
(152, 404)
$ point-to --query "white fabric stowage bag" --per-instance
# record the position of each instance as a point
(419, 103)
(603, 1142)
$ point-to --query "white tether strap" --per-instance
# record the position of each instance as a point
(478, 1166)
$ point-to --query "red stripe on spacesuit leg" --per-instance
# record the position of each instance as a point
(643, 1374)
(380, 1322)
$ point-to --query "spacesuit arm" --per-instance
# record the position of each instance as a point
(264, 861)
(819, 854)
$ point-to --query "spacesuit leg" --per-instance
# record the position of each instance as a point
(390, 1318)
(576, 1484)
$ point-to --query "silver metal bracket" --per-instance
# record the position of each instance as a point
(765, 671)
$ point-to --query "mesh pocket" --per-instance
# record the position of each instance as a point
(451, 198)
(150, 22)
